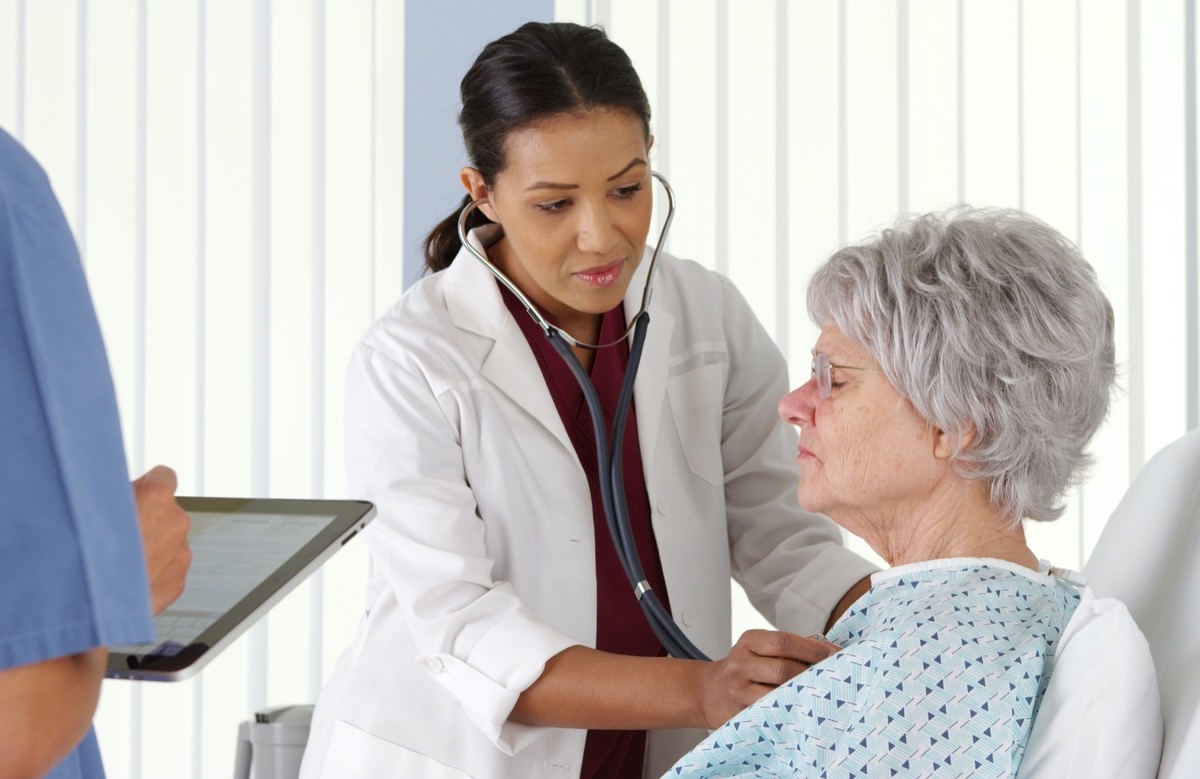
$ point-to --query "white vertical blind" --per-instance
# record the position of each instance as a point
(1162, 404)
(233, 173)
(1109, 231)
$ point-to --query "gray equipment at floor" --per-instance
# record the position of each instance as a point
(273, 743)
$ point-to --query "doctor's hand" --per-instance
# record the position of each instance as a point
(760, 661)
(164, 528)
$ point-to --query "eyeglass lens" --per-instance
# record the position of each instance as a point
(820, 370)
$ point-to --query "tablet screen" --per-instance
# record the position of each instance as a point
(246, 555)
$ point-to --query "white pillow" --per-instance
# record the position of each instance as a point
(1101, 716)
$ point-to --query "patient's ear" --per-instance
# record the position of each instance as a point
(947, 445)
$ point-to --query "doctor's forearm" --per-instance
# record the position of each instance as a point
(586, 688)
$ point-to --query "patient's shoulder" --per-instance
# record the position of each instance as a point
(978, 606)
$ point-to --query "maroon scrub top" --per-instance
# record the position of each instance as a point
(621, 626)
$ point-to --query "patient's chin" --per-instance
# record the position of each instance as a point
(811, 498)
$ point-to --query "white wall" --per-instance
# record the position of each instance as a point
(233, 173)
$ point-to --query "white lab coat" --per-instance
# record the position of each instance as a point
(484, 545)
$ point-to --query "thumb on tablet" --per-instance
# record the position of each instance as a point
(164, 527)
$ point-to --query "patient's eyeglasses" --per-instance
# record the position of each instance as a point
(821, 368)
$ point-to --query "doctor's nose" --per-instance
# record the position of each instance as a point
(797, 406)
(597, 233)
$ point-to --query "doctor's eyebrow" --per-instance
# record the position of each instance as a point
(636, 161)
(632, 164)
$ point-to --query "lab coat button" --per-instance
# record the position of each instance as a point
(662, 506)
(688, 618)
(435, 664)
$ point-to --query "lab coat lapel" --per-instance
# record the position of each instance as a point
(474, 304)
(649, 393)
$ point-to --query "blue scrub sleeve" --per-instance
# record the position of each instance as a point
(71, 558)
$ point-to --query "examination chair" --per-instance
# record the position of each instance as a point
(1100, 715)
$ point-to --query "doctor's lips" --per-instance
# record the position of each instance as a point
(602, 275)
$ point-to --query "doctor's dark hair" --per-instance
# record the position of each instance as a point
(535, 73)
(996, 330)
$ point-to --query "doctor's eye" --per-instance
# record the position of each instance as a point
(627, 193)
(555, 207)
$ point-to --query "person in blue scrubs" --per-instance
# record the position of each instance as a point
(84, 559)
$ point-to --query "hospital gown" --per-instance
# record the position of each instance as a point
(941, 672)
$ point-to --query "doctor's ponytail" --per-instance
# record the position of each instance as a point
(536, 72)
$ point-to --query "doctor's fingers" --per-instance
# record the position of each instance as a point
(736, 681)
(764, 659)
(808, 650)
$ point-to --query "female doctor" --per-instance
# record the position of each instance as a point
(501, 638)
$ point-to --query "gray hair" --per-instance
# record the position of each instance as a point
(996, 330)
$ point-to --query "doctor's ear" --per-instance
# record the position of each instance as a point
(472, 181)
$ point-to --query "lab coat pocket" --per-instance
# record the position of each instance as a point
(697, 399)
(356, 754)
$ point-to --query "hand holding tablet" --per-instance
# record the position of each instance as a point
(247, 553)
(164, 526)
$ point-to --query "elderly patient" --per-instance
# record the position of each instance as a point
(964, 362)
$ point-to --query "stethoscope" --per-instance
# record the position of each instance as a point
(608, 447)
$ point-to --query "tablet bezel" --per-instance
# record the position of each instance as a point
(350, 517)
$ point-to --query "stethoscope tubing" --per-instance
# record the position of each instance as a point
(609, 462)
(612, 489)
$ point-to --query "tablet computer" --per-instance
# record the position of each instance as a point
(247, 553)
